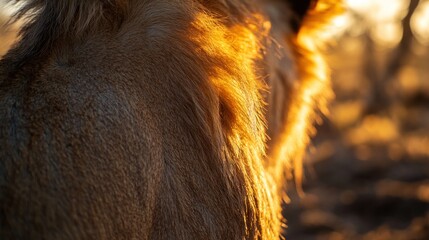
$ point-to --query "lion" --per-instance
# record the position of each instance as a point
(167, 119)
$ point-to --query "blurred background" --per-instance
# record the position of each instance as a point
(367, 171)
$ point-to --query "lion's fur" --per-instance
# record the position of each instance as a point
(127, 119)
(298, 93)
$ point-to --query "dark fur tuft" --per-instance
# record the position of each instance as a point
(50, 21)
(300, 9)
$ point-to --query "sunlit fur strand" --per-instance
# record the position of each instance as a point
(308, 95)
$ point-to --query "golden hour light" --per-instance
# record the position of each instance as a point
(338, 26)
(377, 10)
(5, 8)
(420, 23)
(217, 119)
(371, 156)
(388, 34)
(383, 20)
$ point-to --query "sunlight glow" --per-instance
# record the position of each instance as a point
(382, 20)
(8, 9)
(387, 35)
(420, 22)
(373, 129)
(377, 10)
(360, 6)
(338, 26)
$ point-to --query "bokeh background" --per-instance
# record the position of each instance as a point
(367, 171)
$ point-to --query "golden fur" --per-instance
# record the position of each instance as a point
(128, 119)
